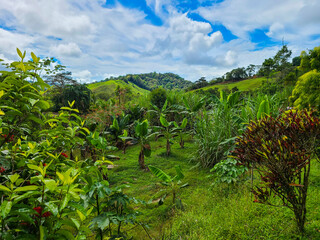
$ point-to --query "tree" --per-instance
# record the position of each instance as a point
(60, 80)
(267, 67)
(250, 70)
(78, 93)
(281, 58)
(307, 92)
(158, 97)
(296, 61)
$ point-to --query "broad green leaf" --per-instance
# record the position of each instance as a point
(179, 175)
(65, 233)
(81, 215)
(37, 168)
(184, 123)
(164, 106)
(42, 104)
(26, 188)
(64, 202)
(160, 174)
(164, 121)
(3, 188)
(50, 184)
(19, 53)
(34, 58)
(76, 223)
(13, 178)
(52, 207)
(6, 208)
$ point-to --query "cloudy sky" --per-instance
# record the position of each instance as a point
(96, 39)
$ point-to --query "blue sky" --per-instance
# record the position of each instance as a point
(96, 39)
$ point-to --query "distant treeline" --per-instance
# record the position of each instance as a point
(153, 80)
(278, 64)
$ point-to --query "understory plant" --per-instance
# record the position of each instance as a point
(172, 185)
(228, 171)
(167, 131)
(281, 150)
(143, 136)
(180, 130)
(42, 180)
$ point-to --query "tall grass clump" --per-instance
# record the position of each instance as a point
(216, 129)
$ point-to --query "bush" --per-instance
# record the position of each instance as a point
(158, 97)
(306, 92)
(281, 150)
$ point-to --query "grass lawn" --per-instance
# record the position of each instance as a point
(108, 88)
(244, 85)
(211, 212)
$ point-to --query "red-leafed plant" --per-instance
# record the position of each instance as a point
(281, 149)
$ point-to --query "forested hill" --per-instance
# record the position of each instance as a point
(154, 80)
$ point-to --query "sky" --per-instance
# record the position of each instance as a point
(96, 39)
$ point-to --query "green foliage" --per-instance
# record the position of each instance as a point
(45, 191)
(154, 80)
(167, 131)
(306, 92)
(158, 97)
(180, 130)
(78, 93)
(172, 184)
(143, 136)
(264, 108)
(244, 85)
(281, 150)
(228, 171)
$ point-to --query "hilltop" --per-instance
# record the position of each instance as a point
(106, 89)
(154, 80)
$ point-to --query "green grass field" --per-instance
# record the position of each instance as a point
(245, 85)
(211, 212)
(108, 88)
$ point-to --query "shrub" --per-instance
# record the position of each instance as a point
(281, 150)
(306, 92)
(158, 97)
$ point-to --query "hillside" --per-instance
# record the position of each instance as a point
(244, 85)
(154, 80)
(106, 89)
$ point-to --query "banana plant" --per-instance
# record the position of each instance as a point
(180, 130)
(172, 185)
(143, 136)
(264, 108)
(167, 131)
(159, 111)
(118, 125)
(126, 140)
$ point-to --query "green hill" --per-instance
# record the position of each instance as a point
(106, 89)
(154, 80)
(244, 85)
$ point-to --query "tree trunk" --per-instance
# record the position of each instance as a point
(168, 147)
(141, 160)
(181, 143)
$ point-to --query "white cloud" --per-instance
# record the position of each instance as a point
(95, 42)
(68, 50)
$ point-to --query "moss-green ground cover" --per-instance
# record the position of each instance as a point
(211, 212)
(244, 85)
